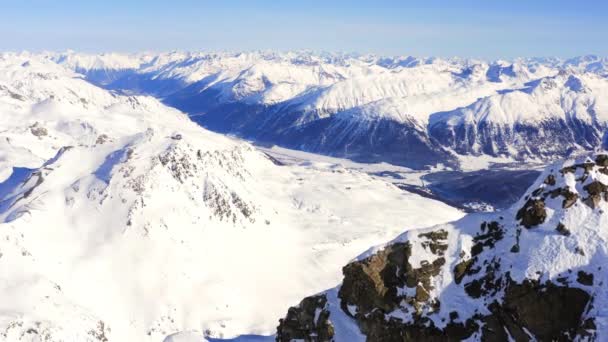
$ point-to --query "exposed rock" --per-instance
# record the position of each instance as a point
(596, 190)
(99, 333)
(543, 311)
(379, 329)
(549, 312)
(241, 205)
(16, 96)
(487, 239)
(515, 247)
(435, 241)
(570, 197)
(393, 299)
(367, 282)
(38, 130)
(102, 139)
(489, 283)
(226, 205)
(309, 321)
(532, 213)
(585, 278)
(461, 269)
(375, 282)
(179, 164)
(601, 160)
(561, 228)
(587, 166)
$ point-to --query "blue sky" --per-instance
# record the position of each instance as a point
(485, 29)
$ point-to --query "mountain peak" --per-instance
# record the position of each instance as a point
(530, 272)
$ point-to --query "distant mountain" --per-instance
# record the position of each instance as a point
(405, 110)
(534, 272)
(551, 116)
(123, 220)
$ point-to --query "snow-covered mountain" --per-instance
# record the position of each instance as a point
(416, 112)
(535, 272)
(550, 116)
(123, 220)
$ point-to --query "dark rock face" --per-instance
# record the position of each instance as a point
(372, 286)
(585, 278)
(547, 311)
(102, 139)
(532, 213)
(309, 321)
(601, 160)
(377, 328)
(38, 130)
(400, 293)
(570, 197)
(490, 233)
(495, 140)
(561, 228)
(374, 282)
(596, 190)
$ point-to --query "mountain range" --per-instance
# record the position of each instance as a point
(416, 112)
(125, 217)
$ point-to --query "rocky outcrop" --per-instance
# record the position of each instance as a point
(545, 311)
(385, 282)
(532, 213)
(309, 321)
(487, 277)
(38, 130)
(596, 191)
(102, 139)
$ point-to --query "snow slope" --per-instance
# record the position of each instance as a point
(122, 220)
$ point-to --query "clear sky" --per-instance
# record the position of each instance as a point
(485, 29)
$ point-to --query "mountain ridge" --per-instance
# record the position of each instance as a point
(533, 272)
(368, 107)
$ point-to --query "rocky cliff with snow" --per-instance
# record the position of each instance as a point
(535, 272)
